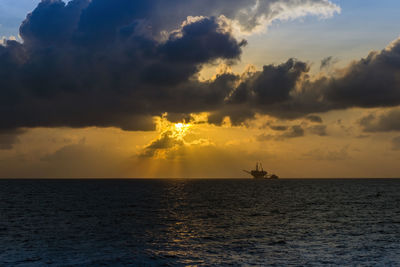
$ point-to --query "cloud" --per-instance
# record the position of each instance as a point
(270, 91)
(314, 118)
(173, 139)
(166, 141)
(369, 82)
(328, 62)
(248, 15)
(290, 132)
(396, 143)
(295, 131)
(283, 132)
(279, 127)
(119, 63)
(88, 63)
(288, 90)
(385, 122)
(8, 138)
(318, 130)
(272, 85)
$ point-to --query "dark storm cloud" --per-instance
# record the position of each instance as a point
(118, 63)
(370, 82)
(88, 63)
(287, 91)
(270, 91)
(272, 85)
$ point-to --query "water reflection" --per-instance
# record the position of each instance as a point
(199, 222)
(180, 238)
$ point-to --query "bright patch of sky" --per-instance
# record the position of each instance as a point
(361, 26)
(12, 13)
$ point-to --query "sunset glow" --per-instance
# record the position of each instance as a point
(181, 129)
(303, 86)
(199, 132)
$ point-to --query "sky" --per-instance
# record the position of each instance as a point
(199, 89)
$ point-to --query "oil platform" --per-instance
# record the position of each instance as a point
(259, 173)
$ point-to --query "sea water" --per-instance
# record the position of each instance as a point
(199, 222)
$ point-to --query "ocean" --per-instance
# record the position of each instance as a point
(183, 222)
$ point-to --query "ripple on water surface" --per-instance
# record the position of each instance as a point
(199, 222)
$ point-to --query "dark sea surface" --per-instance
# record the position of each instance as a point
(199, 222)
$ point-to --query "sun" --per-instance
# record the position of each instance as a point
(181, 129)
(179, 126)
(174, 130)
